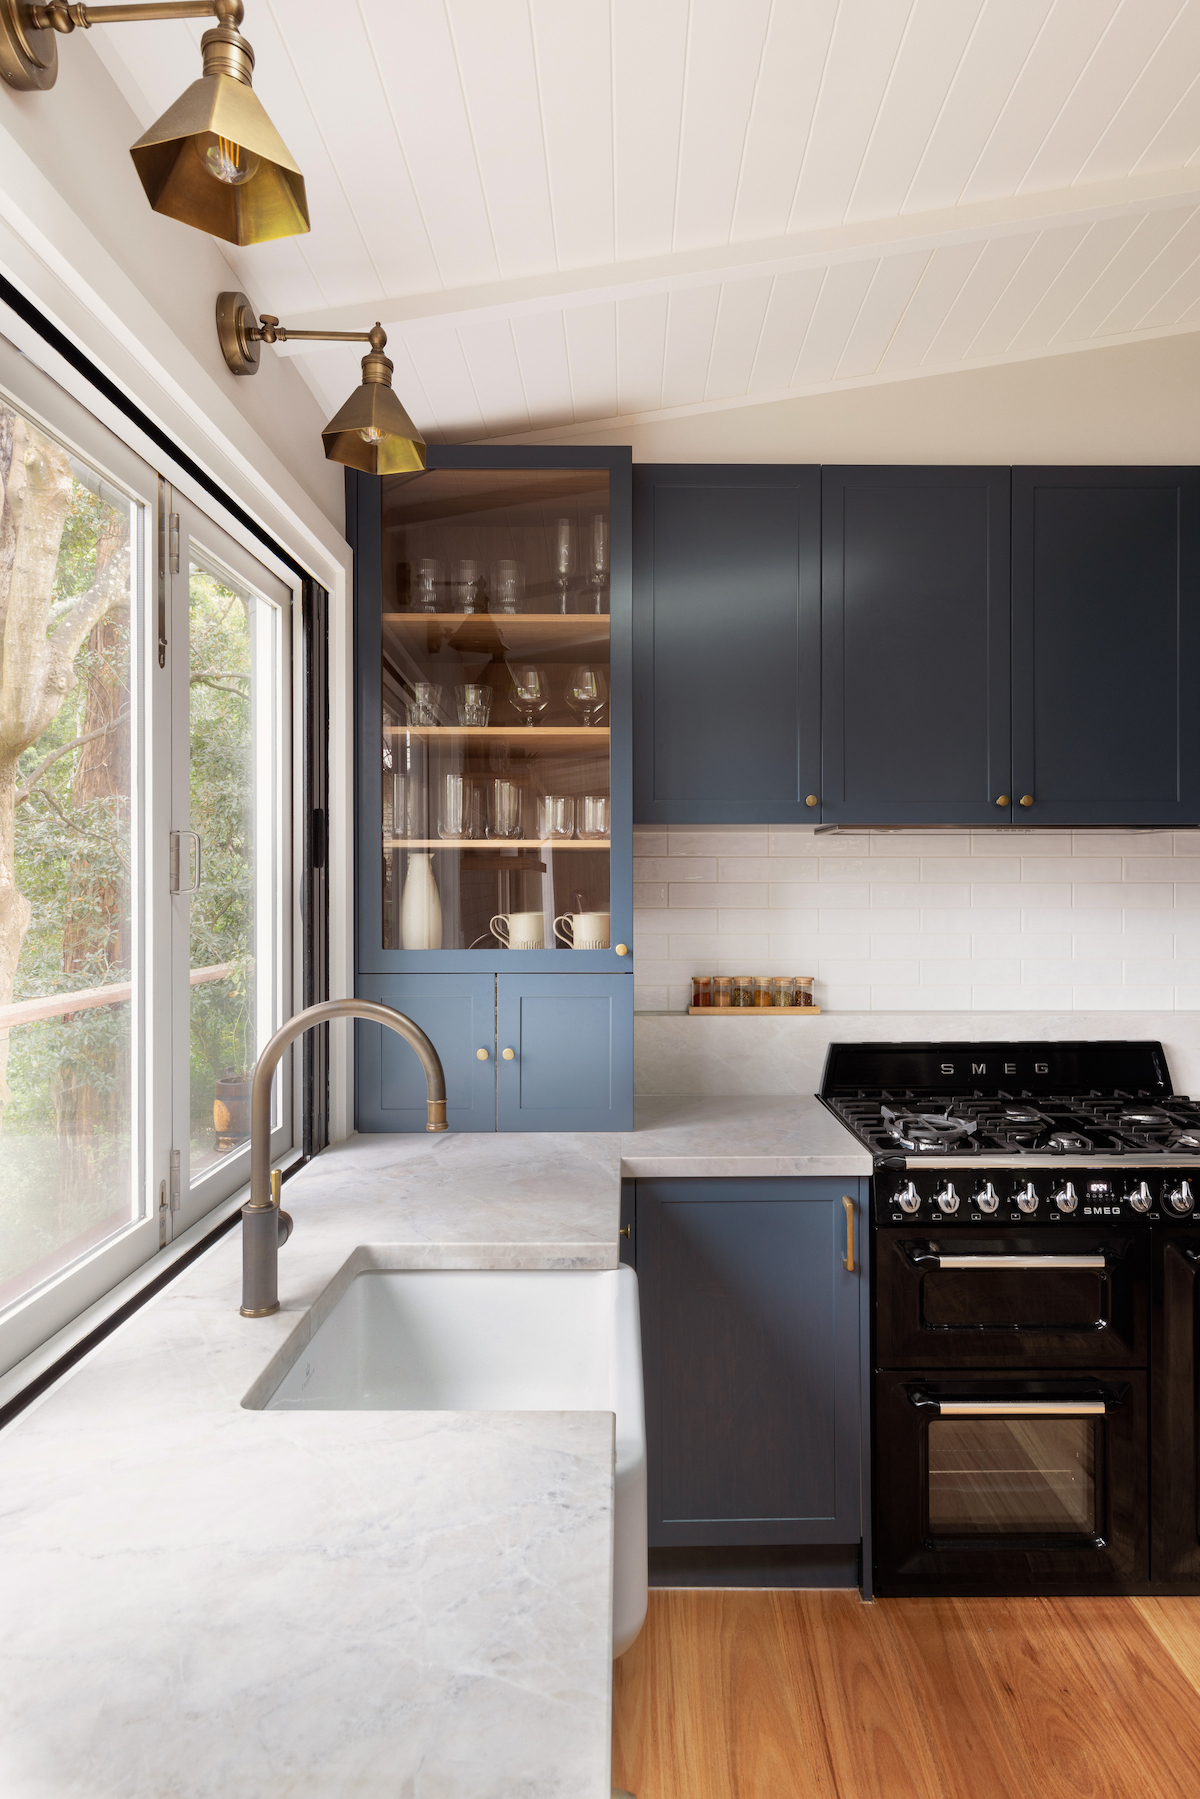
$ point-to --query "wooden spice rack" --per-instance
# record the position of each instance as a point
(754, 1011)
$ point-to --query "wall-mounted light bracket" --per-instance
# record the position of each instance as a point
(214, 160)
(372, 431)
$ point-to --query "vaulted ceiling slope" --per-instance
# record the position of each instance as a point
(573, 211)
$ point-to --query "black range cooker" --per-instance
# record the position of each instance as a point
(1036, 1220)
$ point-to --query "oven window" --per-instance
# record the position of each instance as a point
(1000, 1476)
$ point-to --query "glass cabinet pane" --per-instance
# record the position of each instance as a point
(494, 664)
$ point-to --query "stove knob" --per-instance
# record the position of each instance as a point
(908, 1199)
(1065, 1199)
(1140, 1197)
(947, 1199)
(1180, 1198)
(1026, 1197)
(986, 1199)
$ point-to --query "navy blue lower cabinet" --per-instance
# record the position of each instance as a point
(457, 1012)
(751, 1353)
(564, 1052)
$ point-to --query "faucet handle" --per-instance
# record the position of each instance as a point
(285, 1222)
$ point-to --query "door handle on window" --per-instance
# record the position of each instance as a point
(848, 1258)
(175, 837)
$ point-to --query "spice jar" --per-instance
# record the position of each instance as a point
(804, 990)
(783, 990)
(762, 990)
(743, 989)
(701, 990)
(722, 990)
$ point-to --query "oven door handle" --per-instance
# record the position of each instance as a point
(931, 1258)
(1093, 1405)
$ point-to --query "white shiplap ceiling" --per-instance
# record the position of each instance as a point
(575, 211)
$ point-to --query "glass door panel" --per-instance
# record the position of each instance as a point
(999, 1476)
(71, 590)
(495, 668)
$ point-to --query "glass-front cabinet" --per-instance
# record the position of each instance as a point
(494, 779)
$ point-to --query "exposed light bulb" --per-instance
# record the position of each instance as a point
(371, 434)
(228, 162)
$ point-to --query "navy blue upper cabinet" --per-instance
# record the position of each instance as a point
(1106, 645)
(915, 618)
(726, 644)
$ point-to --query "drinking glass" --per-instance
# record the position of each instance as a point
(592, 815)
(529, 693)
(504, 809)
(587, 694)
(556, 816)
(508, 586)
(468, 583)
(474, 704)
(564, 559)
(429, 576)
(460, 808)
(598, 560)
(425, 707)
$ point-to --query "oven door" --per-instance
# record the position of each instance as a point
(1010, 1484)
(1175, 1387)
(1012, 1299)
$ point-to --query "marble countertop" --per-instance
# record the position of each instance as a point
(203, 1601)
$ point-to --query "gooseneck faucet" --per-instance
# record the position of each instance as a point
(265, 1227)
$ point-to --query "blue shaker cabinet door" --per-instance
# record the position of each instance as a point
(915, 611)
(750, 1347)
(726, 644)
(571, 1066)
(457, 1014)
(1106, 645)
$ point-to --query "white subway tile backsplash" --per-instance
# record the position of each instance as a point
(1006, 920)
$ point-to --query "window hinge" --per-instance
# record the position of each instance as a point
(163, 1211)
(176, 1165)
(174, 543)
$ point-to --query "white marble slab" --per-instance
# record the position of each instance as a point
(739, 1137)
(200, 1600)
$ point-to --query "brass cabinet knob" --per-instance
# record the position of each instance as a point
(481, 1055)
(508, 1054)
(622, 949)
(812, 799)
(1027, 799)
(626, 1230)
(1004, 800)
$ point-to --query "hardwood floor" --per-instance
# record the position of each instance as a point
(813, 1695)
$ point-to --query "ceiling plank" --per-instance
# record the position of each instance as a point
(724, 55)
(789, 311)
(866, 38)
(573, 52)
(785, 98)
(740, 313)
(691, 321)
(939, 287)
(641, 347)
(649, 51)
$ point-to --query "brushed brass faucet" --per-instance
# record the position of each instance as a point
(265, 1227)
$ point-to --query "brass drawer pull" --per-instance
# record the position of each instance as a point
(1027, 799)
(508, 1054)
(848, 1258)
(1004, 800)
(812, 799)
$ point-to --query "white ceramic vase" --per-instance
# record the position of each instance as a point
(420, 907)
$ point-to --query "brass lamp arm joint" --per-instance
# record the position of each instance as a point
(270, 331)
(61, 16)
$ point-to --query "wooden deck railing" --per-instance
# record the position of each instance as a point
(61, 1005)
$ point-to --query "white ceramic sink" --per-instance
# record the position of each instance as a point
(487, 1340)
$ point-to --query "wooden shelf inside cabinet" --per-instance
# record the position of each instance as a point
(495, 844)
(754, 1011)
(517, 627)
(531, 740)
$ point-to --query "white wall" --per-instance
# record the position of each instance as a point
(1130, 403)
(943, 921)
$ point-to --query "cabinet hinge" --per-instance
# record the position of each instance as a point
(176, 1167)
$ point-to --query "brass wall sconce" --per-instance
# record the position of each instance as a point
(371, 431)
(214, 160)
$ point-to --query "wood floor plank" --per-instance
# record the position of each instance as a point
(751, 1694)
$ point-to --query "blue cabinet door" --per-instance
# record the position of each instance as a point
(727, 644)
(571, 1061)
(457, 1014)
(1106, 645)
(751, 1354)
(915, 619)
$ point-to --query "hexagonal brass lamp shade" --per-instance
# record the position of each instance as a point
(214, 160)
(372, 431)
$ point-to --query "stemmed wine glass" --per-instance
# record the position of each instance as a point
(529, 691)
(564, 559)
(598, 560)
(587, 694)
